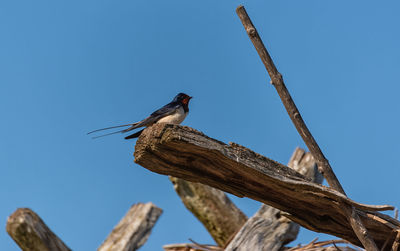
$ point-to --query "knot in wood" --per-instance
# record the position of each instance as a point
(251, 31)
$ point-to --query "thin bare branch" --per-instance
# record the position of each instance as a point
(288, 102)
(300, 125)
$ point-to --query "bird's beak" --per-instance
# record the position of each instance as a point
(190, 98)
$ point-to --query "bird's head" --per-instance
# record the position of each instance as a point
(182, 98)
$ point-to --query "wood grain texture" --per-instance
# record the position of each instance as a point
(269, 229)
(189, 154)
(30, 232)
(212, 208)
(134, 228)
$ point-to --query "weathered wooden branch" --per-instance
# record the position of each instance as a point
(134, 228)
(223, 219)
(288, 102)
(294, 114)
(188, 154)
(212, 207)
(29, 231)
(269, 229)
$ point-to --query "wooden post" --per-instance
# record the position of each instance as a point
(30, 232)
(134, 228)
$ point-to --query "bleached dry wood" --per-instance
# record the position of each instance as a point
(188, 154)
(268, 229)
(212, 207)
(29, 231)
(134, 228)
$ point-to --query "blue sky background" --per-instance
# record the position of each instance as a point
(69, 67)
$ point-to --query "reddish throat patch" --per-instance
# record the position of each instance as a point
(185, 101)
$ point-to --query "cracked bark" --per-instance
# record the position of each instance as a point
(189, 154)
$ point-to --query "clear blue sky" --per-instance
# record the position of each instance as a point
(68, 67)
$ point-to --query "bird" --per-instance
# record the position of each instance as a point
(172, 113)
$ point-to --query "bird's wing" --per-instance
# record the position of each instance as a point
(155, 116)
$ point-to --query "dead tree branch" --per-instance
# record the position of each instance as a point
(188, 154)
(288, 102)
(301, 127)
(212, 207)
(30, 232)
(134, 228)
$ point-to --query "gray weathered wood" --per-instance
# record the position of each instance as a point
(134, 228)
(304, 163)
(29, 231)
(268, 229)
(188, 154)
(212, 207)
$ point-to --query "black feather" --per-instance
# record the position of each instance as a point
(135, 135)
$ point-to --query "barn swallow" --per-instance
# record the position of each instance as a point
(172, 113)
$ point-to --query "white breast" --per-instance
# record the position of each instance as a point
(175, 118)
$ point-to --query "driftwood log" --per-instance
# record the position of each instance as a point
(189, 154)
(269, 229)
(134, 228)
(212, 207)
(29, 231)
